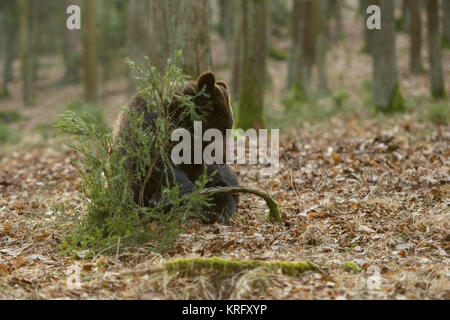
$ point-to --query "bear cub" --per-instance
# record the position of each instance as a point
(215, 107)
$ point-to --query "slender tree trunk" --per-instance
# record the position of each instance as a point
(446, 23)
(9, 43)
(434, 50)
(361, 7)
(387, 95)
(334, 12)
(25, 52)
(278, 13)
(367, 38)
(71, 52)
(90, 52)
(237, 51)
(405, 19)
(310, 33)
(3, 24)
(298, 74)
(321, 45)
(138, 39)
(71, 57)
(339, 23)
(251, 102)
(295, 55)
(227, 24)
(181, 25)
(415, 35)
(104, 50)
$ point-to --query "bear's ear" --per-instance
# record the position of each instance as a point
(222, 84)
(206, 79)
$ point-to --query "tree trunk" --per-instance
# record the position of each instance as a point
(334, 11)
(320, 12)
(138, 39)
(227, 24)
(387, 95)
(295, 55)
(339, 24)
(367, 38)
(35, 7)
(26, 53)
(415, 34)
(310, 33)
(71, 53)
(105, 45)
(9, 42)
(298, 74)
(278, 17)
(90, 51)
(434, 50)
(405, 19)
(237, 51)
(251, 101)
(180, 25)
(446, 23)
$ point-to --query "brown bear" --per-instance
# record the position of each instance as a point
(214, 104)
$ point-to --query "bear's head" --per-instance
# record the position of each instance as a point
(213, 103)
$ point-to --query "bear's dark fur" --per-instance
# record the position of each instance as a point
(217, 113)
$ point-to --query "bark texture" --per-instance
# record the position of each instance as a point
(387, 95)
(434, 50)
(415, 35)
(180, 25)
(446, 23)
(251, 100)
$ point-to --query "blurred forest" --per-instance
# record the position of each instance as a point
(364, 116)
(286, 50)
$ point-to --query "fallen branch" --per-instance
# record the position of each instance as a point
(192, 266)
(274, 210)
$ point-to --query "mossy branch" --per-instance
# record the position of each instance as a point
(192, 266)
(274, 209)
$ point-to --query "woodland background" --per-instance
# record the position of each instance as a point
(364, 179)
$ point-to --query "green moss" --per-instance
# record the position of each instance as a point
(339, 97)
(351, 266)
(439, 93)
(8, 116)
(274, 211)
(421, 70)
(396, 103)
(439, 113)
(250, 114)
(7, 135)
(222, 265)
(399, 24)
(277, 54)
(297, 95)
(251, 101)
(341, 35)
(4, 94)
(364, 49)
(445, 44)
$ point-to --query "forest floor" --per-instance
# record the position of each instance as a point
(353, 186)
